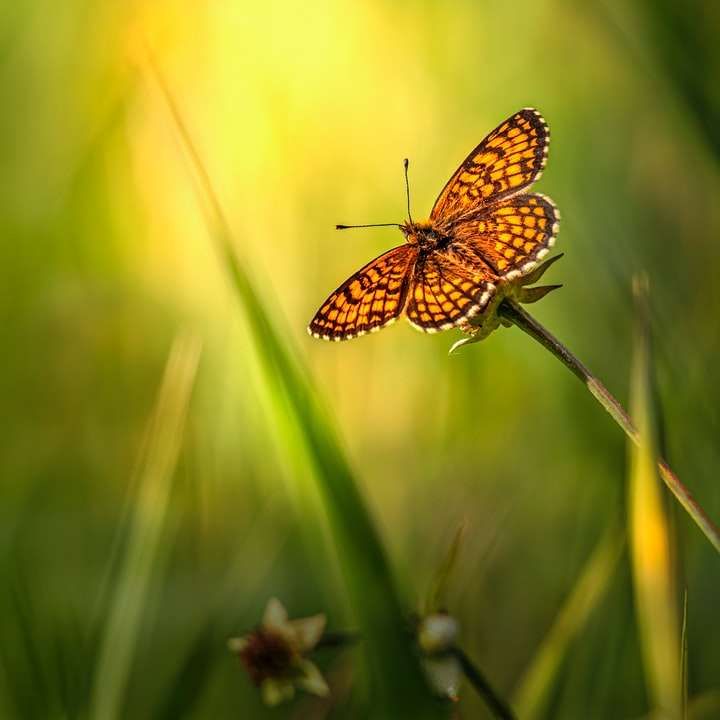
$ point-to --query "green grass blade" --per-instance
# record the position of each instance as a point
(397, 687)
(156, 471)
(436, 597)
(536, 685)
(684, 657)
(651, 539)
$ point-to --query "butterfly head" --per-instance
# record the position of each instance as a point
(424, 235)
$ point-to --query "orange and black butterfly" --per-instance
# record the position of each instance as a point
(484, 231)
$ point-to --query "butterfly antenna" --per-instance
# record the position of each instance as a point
(349, 227)
(406, 163)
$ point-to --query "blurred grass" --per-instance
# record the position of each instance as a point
(437, 593)
(514, 313)
(144, 536)
(538, 682)
(684, 659)
(302, 114)
(651, 536)
(680, 39)
(298, 412)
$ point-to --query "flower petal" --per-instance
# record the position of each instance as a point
(275, 691)
(237, 644)
(275, 615)
(437, 633)
(444, 675)
(311, 679)
(308, 631)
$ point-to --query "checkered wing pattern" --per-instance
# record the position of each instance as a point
(509, 238)
(444, 294)
(369, 300)
(507, 161)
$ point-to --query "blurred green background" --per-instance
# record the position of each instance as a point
(302, 113)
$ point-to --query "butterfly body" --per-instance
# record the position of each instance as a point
(484, 232)
(425, 235)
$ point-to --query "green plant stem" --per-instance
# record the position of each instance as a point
(499, 708)
(511, 311)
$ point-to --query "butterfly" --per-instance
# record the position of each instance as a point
(485, 230)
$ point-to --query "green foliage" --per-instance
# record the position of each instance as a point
(301, 488)
(652, 541)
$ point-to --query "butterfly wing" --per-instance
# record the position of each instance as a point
(509, 237)
(506, 162)
(368, 300)
(444, 294)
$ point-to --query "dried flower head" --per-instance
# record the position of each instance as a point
(275, 654)
(514, 290)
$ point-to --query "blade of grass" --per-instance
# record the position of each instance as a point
(396, 684)
(164, 436)
(684, 658)
(518, 316)
(538, 681)
(437, 595)
(651, 538)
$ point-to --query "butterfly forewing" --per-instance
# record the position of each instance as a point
(506, 162)
(368, 300)
(443, 294)
(510, 237)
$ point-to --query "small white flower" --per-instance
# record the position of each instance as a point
(436, 636)
(274, 654)
(444, 673)
(437, 633)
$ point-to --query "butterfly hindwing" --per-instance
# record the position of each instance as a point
(509, 237)
(368, 300)
(506, 162)
(444, 294)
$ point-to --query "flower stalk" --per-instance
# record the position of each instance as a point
(499, 708)
(437, 635)
(445, 663)
(510, 311)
